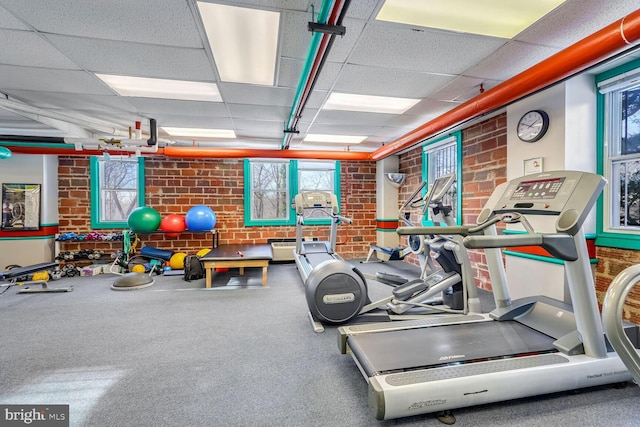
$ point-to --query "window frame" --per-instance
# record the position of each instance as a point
(453, 138)
(606, 236)
(293, 190)
(96, 187)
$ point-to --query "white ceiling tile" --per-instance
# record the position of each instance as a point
(79, 101)
(398, 46)
(388, 82)
(7, 20)
(176, 106)
(259, 112)
(575, 20)
(135, 59)
(296, 38)
(29, 49)
(164, 22)
(50, 80)
(238, 93)
(509, 60)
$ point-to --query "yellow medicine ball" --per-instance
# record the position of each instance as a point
(203, 252)
(177, 261)
(138, 268)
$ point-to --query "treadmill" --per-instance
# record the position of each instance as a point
(531, 346)
(310, 254)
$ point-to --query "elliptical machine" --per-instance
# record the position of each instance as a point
(451, 287)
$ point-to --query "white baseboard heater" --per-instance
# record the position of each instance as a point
(283, 251)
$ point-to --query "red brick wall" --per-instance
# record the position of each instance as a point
(484, 166)
(173, 186)
(611, 262)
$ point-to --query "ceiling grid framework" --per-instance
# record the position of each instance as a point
(52, 50)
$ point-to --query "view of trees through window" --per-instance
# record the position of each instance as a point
(270, 194)
(118, 189)
(626, 166)
(442, 160)
(272, 187)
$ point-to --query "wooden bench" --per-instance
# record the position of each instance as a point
(237, 256)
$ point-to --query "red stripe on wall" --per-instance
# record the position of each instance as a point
(47, 230)
(387, 224)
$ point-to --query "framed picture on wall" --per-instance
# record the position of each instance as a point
(533, 165)
(20, 207)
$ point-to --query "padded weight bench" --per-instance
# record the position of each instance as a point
(11, 277)
(237, 256)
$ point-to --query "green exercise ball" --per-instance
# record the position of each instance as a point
(144, 220)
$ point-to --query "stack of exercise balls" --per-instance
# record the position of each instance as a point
(144, 219)
(200, 218)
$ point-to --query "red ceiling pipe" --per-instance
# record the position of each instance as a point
(234, 153)
(72, 152)
(575, 58)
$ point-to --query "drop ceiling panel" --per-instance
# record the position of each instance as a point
(163, 22)
(399, 46)
(258, 112)
(238, 93)
(510, 59)
(57, 100)
(7, 20)
(353, 117)
(295, 35)
(29, 49)
(50, 80)
(388, 82)
(175, 120)
(176, 106)
(575, 20)
(113, 57)
(343, 45)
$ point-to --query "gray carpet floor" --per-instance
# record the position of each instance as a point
(240, 354)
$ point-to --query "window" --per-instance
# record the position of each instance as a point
(270, 186)
(117, 188)
(269, 199)
(619, 156)
(441, 157)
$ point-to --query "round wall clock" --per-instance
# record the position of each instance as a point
(533, 125)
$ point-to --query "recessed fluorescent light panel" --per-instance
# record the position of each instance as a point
(244, 42)
(162, 88)
(497, 18)
(368, 103)
(199, 133)
(334, 139)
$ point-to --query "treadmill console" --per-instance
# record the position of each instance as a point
(569, 195)
(316, 200)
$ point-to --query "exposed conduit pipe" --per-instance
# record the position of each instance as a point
(318, 51)
(577, 57)
(235, 153)
(58, 149)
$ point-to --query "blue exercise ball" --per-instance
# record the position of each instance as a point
(200, 218)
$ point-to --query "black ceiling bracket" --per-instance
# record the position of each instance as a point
(336, 30)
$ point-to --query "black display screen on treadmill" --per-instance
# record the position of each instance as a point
(538, 189)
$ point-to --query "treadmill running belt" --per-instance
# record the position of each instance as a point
(316, 258)
(415, 348)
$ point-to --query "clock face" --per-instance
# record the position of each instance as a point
(533, 125)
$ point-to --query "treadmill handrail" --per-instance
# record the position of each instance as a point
(612, 308)
(461, 230)
(561, 246)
